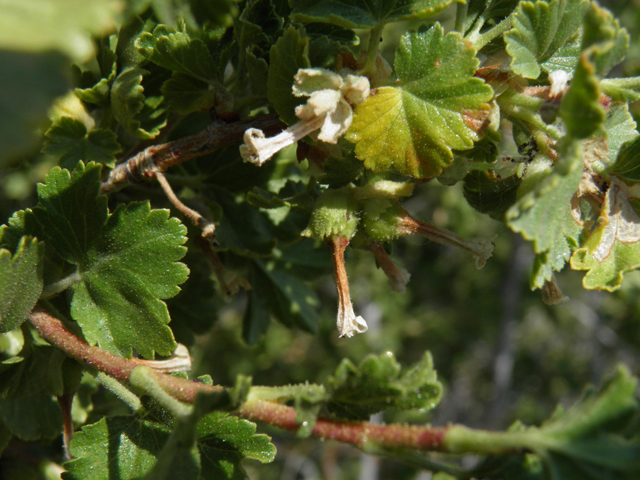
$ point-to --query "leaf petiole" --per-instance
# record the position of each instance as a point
(480, 40)
(461, 16)
(53, 289)
(372, 51)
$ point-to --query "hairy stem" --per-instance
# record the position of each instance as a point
(53, 289)
(159, 158)
(480, 40)
(372, 50)
(359, 434)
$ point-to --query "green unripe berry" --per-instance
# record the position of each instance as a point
(336, 213)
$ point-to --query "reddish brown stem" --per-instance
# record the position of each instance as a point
(159, 158)
(278, 415)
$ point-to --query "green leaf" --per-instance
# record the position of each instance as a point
(20, 282)
(70, 214)
(490, 195)
(185, 94)
(379, 383)
(63, 25)
(126, 272)
(120, 448)
(589, 432)
(365, 14)
(286, 57)
(29, 83)
(37, 370)
(339, 172)
(31, 417)
(243, 229)
(601, 151)
(580, 108)
(540, 31)
(225, 440)
(127, 447)
(608, 41)
(138, 115)
(178, 52)
(543, 215)
(627, 165)
(69, 139)
(622, 89)
(275, 291)
(438, 106)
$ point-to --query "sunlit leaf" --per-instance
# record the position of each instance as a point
(438, 106)
(540, 31)
(379, 383)
(126, 273)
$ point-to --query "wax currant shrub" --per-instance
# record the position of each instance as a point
(515, 100)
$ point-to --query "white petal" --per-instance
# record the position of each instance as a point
(309, 80)
(356, 89)
(319, 103)
(336, 123)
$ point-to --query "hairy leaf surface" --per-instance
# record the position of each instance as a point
(439, 106)
(127, 271)
(20, 282)
(68, 138)
(127, 447)
(379, 383)
(541, 29)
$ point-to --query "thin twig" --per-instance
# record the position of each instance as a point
(159, 158)
(360, 434)
(208, 228)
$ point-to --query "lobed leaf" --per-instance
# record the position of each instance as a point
(178, 52)
(185, 94)
(363, 13)
(379, 383)
(20, 282)
(130, 107)
(543, 215)
(613, 248)
(438, 106)
(126, 273)
(627, 165)
(69, 139)
(127, 448)
(541, 31)
(31, 417)
(607, 41)
(70, 214)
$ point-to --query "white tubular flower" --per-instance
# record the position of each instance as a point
(328, 109)
(558, 80)
(348, 323)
